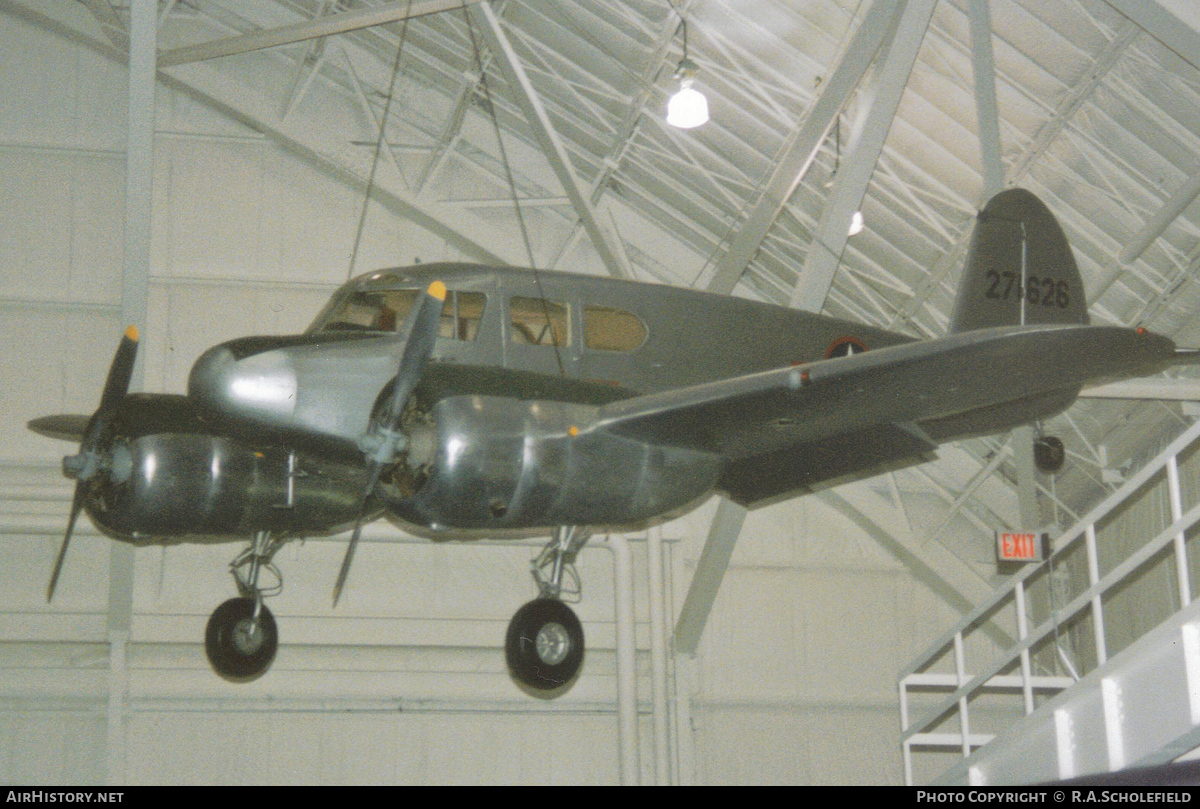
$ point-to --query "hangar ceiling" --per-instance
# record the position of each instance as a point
(818, 108)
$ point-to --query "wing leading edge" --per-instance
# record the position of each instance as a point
(785, 431)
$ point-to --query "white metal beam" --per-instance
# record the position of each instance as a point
(854, 175)
(309, 29)
(1179, 390)
(1174, 23)
(804, 143)
(135, 292)
(318, 145)
(985, 98)
(931, 563)
(710, 571)
(1162, 219)
(611, 251)
(110, 23)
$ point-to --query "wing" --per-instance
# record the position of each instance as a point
(804, 466)
(788, 430)
(779, 432)
(64, 428)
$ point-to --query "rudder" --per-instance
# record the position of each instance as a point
(1000, 287)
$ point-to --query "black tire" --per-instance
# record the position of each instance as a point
(1049, 454)
(544, 646)
(236, 651)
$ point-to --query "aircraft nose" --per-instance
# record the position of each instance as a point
(259, 387)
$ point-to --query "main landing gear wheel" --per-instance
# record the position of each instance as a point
(241, 647)
(544, 646)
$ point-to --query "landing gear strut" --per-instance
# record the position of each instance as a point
(241, 638)
(544, 646)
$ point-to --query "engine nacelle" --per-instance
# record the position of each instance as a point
(167, 485)
(494, 462)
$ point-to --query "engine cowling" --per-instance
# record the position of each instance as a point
(165, 485)
(495, 462)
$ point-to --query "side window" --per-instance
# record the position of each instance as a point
(539, 322)
(608, 329)
(461, 315)
(396, 304)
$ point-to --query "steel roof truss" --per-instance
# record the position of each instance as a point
(1174, 23)
(855, 173)
(637, 107)
(611, 252)
(987, 112)
(310, 29)
(801, 148)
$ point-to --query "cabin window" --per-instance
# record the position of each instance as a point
(539, 322)
(608, 329)
(388, 309)
(461, 316)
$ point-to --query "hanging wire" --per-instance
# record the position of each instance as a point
(738, 220)
(387, 106)
(512, 186)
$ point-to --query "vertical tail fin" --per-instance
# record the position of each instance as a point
(1019, 268)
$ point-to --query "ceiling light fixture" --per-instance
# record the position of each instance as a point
(856, 223)
(687, 108)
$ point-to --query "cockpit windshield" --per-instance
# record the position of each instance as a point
(387, 309)
(377, 310)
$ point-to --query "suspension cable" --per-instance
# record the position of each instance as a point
(512, 186)
(387, 106)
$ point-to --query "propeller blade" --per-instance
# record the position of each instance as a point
(76, 507)
(376, 472)
(65, 427)
(119, 373)
(116, 386)
(423, 323)
(84, 465)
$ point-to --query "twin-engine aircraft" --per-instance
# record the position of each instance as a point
(466, 401)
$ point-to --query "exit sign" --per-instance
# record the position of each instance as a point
(1020, 546)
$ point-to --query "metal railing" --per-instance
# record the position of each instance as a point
(1011, 668)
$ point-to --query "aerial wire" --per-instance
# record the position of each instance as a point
(512, 186)
(736, 222)
(387, 106)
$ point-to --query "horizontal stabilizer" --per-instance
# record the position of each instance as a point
(64, 428)
(1186, 356)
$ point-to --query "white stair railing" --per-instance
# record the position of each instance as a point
(1009, 652)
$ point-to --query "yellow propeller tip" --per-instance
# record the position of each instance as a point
(132, 333)
(438, 290)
